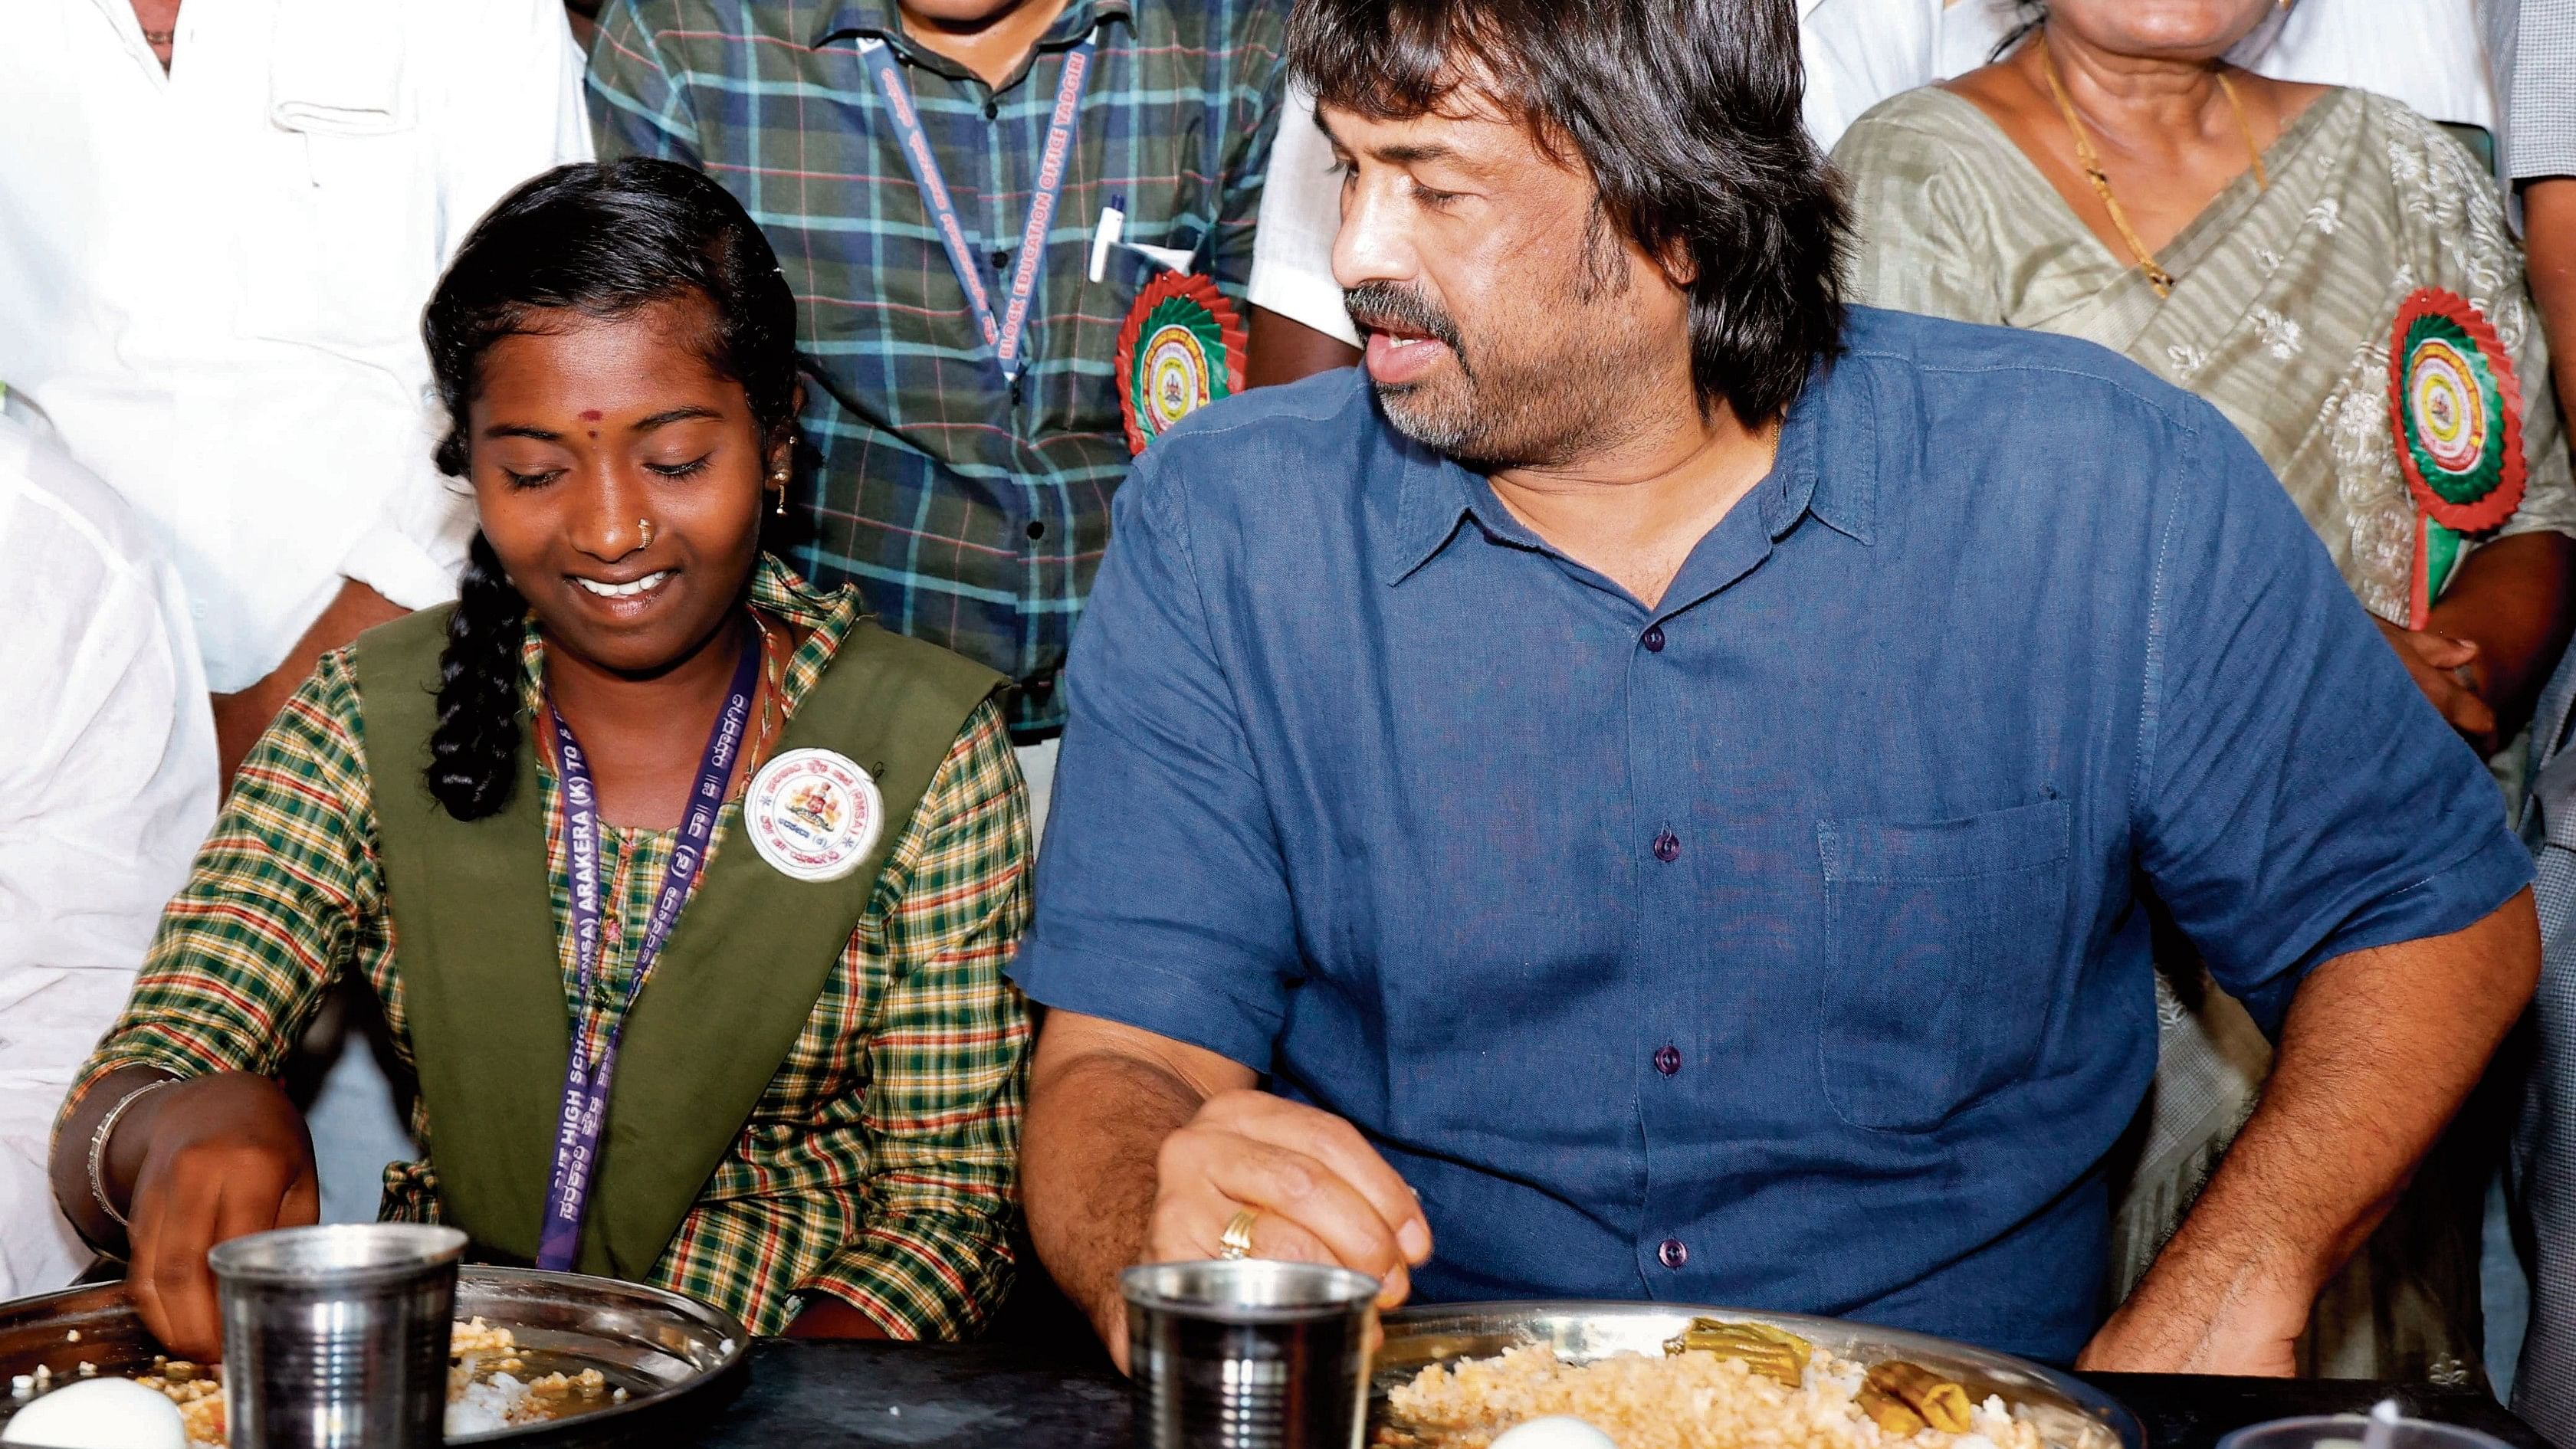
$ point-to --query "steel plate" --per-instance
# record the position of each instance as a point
(677, 1359)
(2069, 1413)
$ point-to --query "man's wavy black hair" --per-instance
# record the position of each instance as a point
(1686, 113)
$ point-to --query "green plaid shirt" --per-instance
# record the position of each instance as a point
(971, 513)
(879, 1167)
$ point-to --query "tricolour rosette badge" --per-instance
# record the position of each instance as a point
(2456, 411)
(1182, 348)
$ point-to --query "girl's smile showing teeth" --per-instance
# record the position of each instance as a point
(628, 590)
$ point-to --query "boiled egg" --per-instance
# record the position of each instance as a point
(98, 1414)
(1556, 1431)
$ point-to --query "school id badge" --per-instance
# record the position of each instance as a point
(813, 814)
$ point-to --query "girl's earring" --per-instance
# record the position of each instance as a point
(781, 509)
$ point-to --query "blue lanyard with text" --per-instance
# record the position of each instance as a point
(585, 1093)
(1002, 332)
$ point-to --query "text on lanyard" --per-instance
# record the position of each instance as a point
(1004, 333)
(585, 1094)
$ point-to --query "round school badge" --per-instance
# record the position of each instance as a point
(1182, 348)
(813, 814)
(2456, 411)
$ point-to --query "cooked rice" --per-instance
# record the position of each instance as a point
(484, 1390)
(1692, 1400)
(476, 1338)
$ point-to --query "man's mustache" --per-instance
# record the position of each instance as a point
(1388, 307)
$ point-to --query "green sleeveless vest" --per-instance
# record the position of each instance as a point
(483, 993)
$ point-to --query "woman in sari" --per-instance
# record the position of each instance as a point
(2254, 241)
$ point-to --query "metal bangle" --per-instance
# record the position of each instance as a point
(98, 1146)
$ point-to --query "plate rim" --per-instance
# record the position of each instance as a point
(731, 1361)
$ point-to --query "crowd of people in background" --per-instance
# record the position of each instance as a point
(448, 442)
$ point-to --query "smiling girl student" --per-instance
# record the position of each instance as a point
(686, 889)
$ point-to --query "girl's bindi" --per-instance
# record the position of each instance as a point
(591, 415)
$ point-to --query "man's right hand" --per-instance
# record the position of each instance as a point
(220, 1156)
(1320, 1193)
(1140, 1149)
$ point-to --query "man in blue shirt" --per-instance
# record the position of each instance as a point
(1649, 789)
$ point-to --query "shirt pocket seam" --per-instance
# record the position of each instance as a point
(1995, 842)
(2017, 840)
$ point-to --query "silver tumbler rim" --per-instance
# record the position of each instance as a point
(340, 1253)
(1248, 1290)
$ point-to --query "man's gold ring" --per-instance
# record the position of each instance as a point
(1236, 1241)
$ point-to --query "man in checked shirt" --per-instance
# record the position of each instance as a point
(961, 475)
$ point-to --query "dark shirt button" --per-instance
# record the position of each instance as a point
(992, 109)
(1668, 1059)
(1668, 847)
(1001, 259)
(1036, 529)
(1654, 640)
(1673, 1254)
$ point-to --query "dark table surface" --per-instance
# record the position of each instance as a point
(1060, 1392)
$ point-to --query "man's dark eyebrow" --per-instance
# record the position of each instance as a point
(1407, 153)
(1402, 153)
(677, 415)
(522, 430)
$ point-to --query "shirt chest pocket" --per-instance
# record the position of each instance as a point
(342, 234)
(1942, 945)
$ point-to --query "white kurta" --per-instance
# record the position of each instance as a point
(107, 786)
(211, 279)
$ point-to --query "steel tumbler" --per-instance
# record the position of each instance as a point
(1249, 1354)
(336, 1337)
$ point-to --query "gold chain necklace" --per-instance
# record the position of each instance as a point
(2157, 276)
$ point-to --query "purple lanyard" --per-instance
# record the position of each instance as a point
(1001, 333)
(585, 1092)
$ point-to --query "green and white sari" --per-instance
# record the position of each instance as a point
(2280, 315)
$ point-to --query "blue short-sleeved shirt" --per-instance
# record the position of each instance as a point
(1780, 945)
